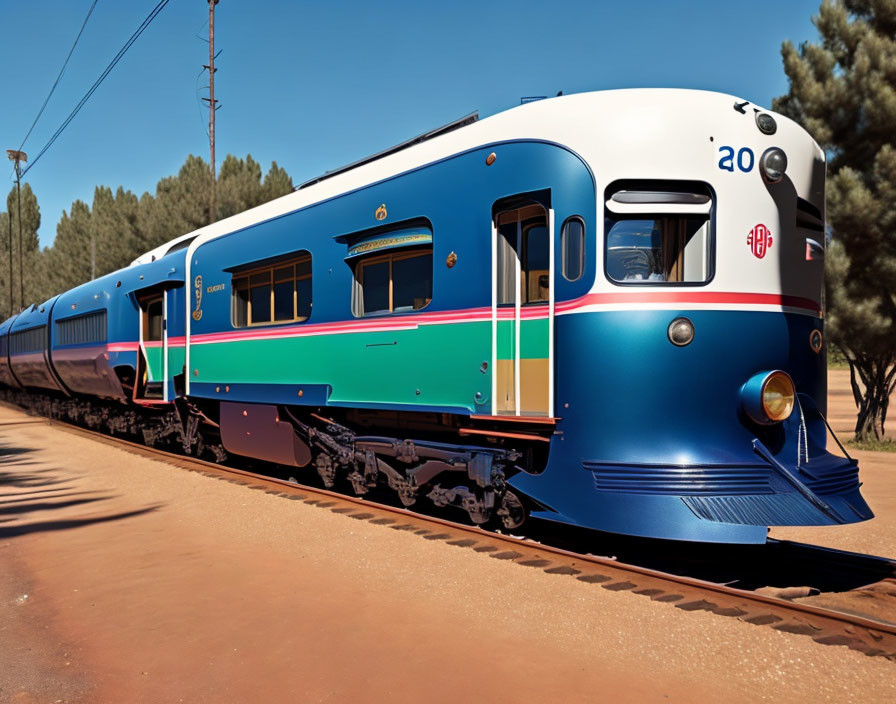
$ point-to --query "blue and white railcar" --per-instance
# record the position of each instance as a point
(605, 308)
(673, 243)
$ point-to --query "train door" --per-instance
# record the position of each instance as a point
(153, 348)
(522, 308)
(173, 342)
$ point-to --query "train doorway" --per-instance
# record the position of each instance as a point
(522, 308)
(153, 355)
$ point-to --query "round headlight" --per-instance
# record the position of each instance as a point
(766, 123)
(778, 396)
(773, 164)
(681, 332)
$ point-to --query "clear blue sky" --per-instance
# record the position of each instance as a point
(317, 85)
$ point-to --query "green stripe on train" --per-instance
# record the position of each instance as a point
(533, 339)
(154, 363)
(175, 361)
(441, 362)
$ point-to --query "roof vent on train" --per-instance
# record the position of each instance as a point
(183, 244)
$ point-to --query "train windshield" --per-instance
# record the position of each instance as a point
(657, 248)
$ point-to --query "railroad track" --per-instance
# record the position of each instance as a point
(734, 591)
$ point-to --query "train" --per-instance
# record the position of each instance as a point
(603, 310)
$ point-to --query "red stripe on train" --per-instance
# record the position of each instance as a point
(409, 322)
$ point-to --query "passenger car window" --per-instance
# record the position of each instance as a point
(660, 234)
(279, 293)
(397, 282)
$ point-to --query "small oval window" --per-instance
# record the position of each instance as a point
(572, 243)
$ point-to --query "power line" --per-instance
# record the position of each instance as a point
(121, 52)
(61, 71)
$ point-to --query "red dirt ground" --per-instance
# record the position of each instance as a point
(128, 580)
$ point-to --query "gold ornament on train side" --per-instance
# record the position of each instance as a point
(197, 285)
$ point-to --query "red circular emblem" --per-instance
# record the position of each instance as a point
(760, 240)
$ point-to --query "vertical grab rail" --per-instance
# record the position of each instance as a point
(165, 345)
(144, 318)
(551, 298)
(494, 361)
(517, 313)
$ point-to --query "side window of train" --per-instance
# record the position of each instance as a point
(523, 254)
(272, 294)
(392, 271)
(659, 233)
(572, 245)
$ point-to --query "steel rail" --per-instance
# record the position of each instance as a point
(826, 626)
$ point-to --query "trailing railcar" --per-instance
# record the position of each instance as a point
(110, 339)
(81, 351)
(29, 348)
(6, 376)
(602, 309)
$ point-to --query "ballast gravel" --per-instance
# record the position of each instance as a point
(148, 583)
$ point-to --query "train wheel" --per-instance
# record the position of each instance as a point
(511, 512)
(407, 495)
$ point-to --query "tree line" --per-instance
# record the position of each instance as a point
(95, 239)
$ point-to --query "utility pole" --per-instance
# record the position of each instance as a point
(212, 105)
(9, 220)
(17, 157)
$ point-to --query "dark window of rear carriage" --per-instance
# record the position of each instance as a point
(271, 294)
(659, 233)
(392, 271)
(82, 329)
(28, 341)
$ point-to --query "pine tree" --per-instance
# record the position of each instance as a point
(238, 187)
(843, 90)
(7, 301)
(25, 243)
(68, 266)
(180, 204)
(113, 229)
(276, 183)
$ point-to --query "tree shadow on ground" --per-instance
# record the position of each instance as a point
(26, 490)
(35, 505)
(66, 524)
(16, 471)
(31, 478)
(29, 497)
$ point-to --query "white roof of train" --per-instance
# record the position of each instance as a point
(613, 128)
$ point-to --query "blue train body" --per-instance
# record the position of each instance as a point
(609, 309)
